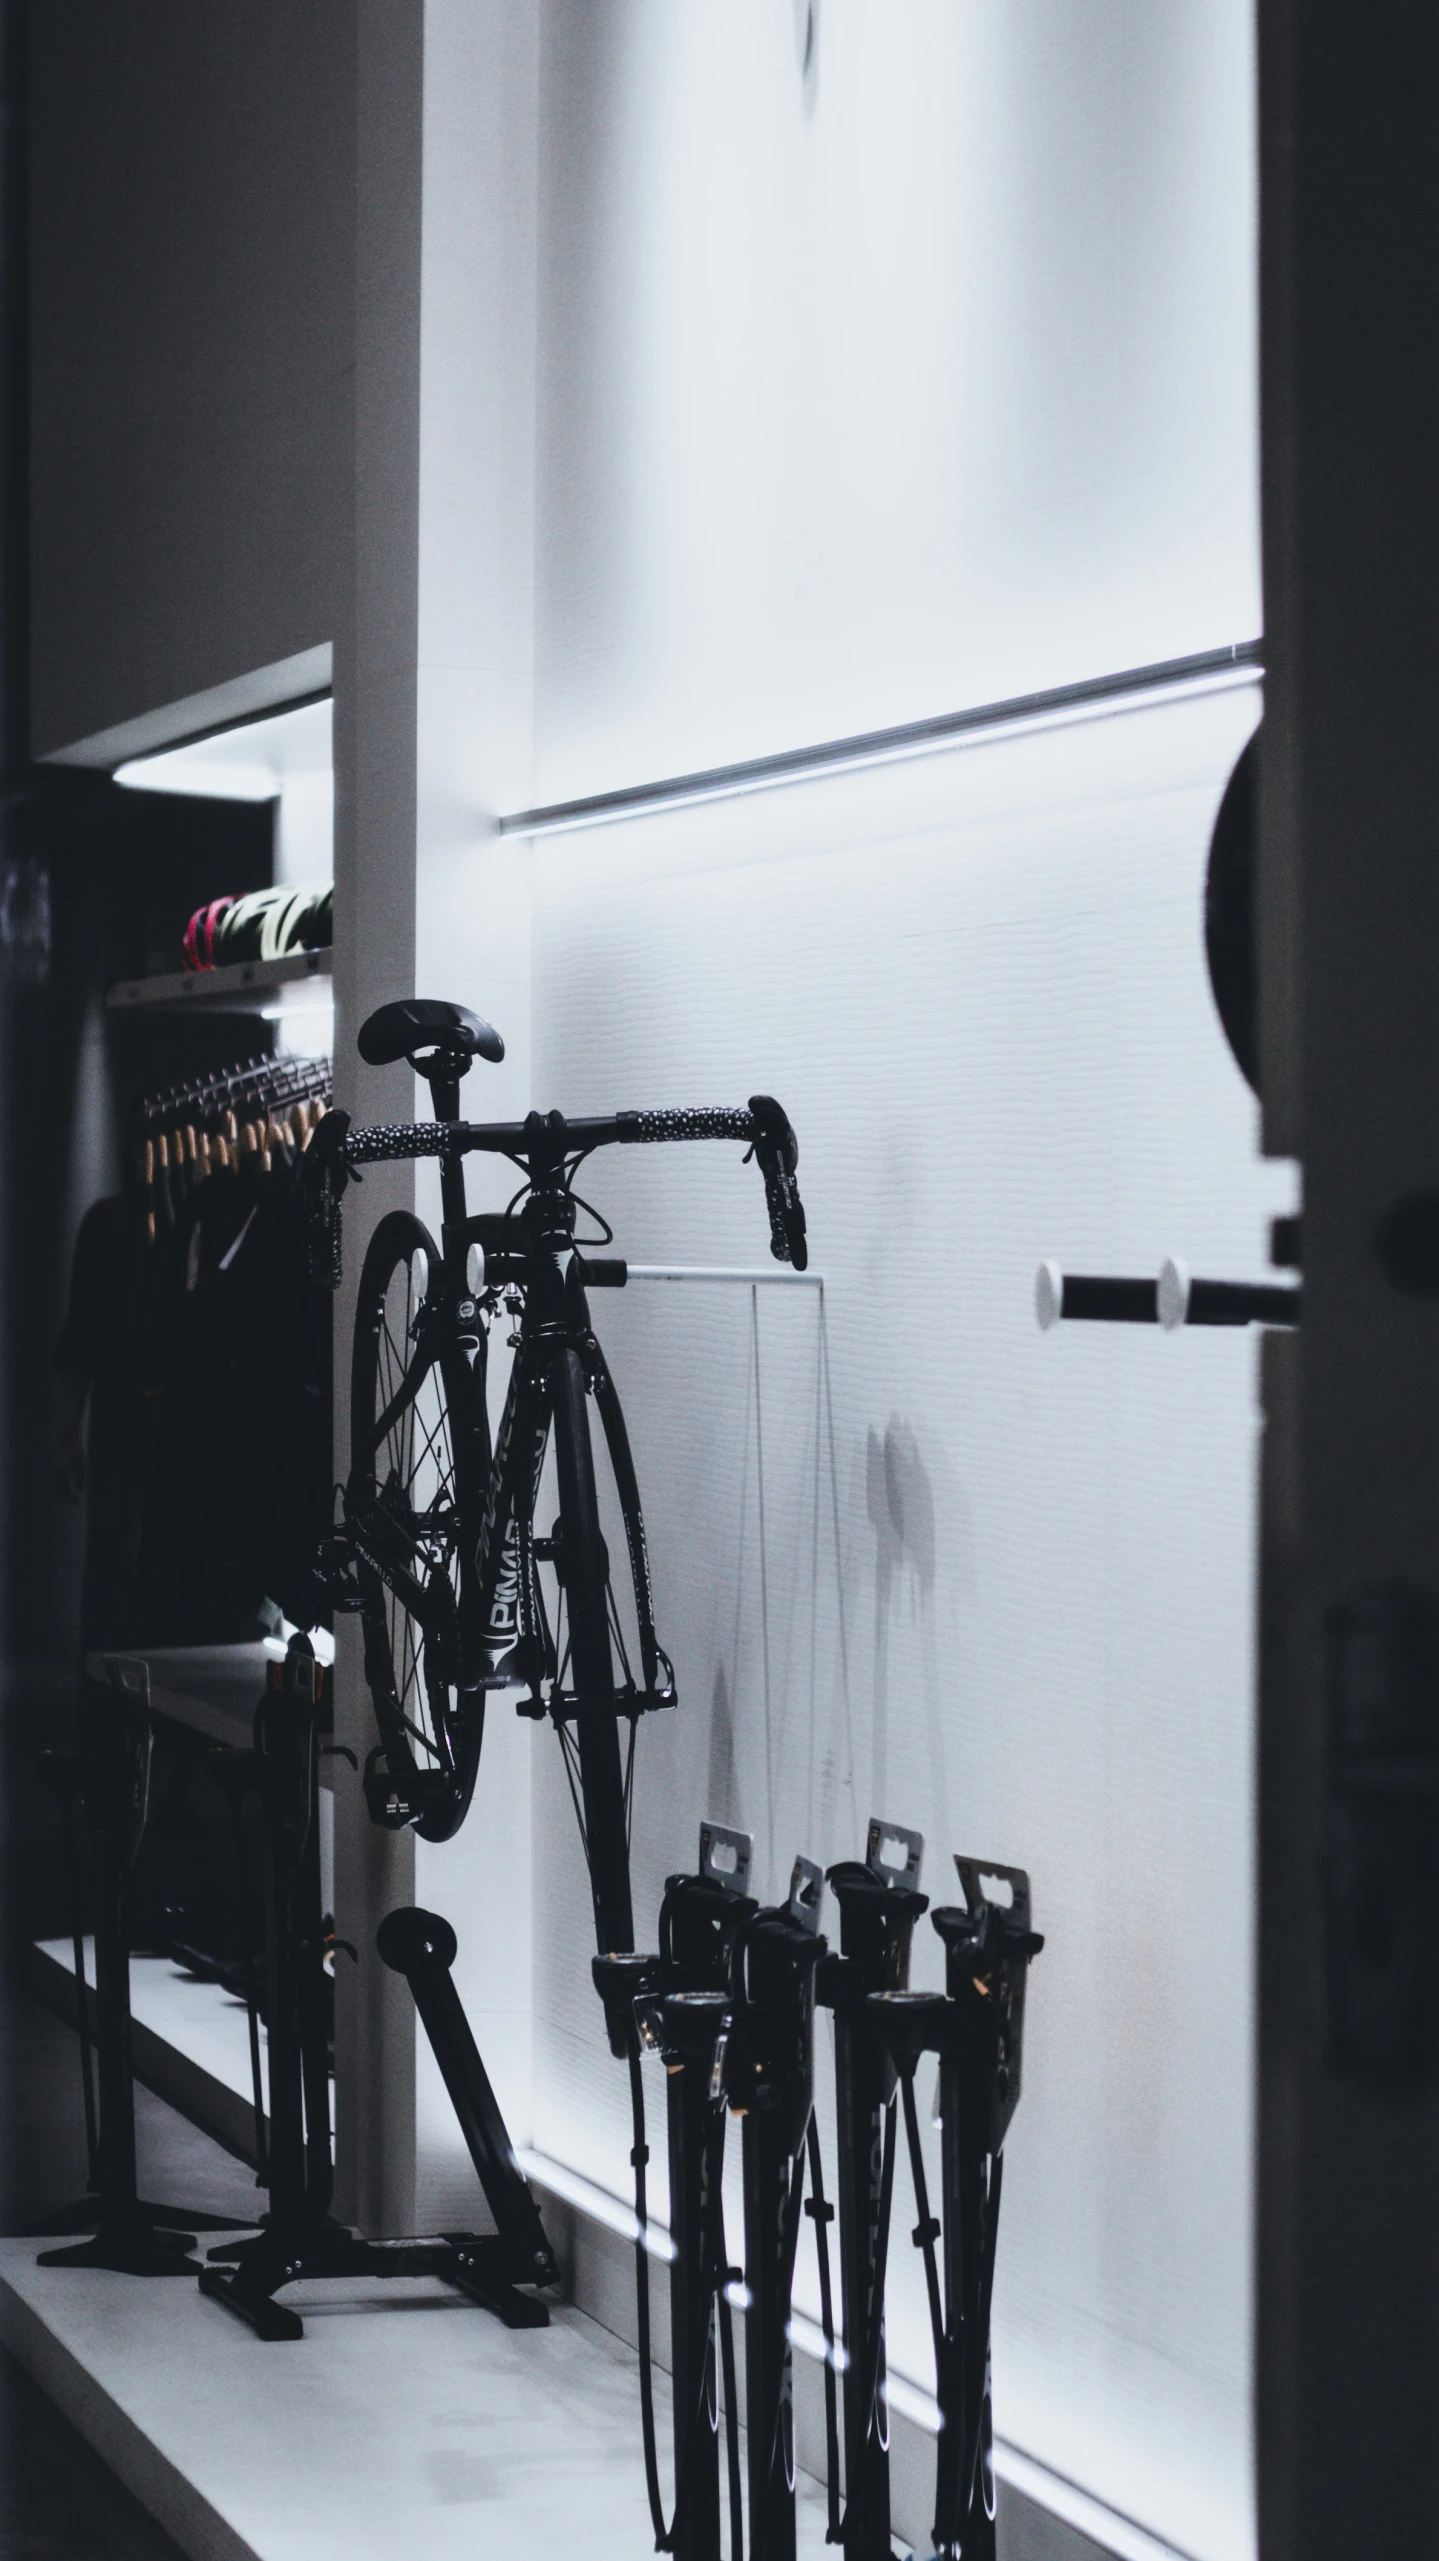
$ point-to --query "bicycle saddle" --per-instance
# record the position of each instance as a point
(427, 1022)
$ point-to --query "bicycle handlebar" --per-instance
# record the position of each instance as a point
(336, 1150)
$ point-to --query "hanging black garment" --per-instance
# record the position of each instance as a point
(236, 1377)
(103, 1324)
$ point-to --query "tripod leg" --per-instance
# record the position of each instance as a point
(314, 2036)
(82, 1998)
(866, 2145)
(252, 2004)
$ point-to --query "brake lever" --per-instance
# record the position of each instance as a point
(325, 1173)
(777, 1151)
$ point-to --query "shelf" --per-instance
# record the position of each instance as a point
(242, 987)
(213, 1688)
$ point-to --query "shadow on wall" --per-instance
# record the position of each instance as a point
(899, 1499)
(720, 1798)
(810, 1529)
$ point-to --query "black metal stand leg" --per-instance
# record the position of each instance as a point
(422, 1947)
(769, 2382)
(861, 2126)
(82, 1997)
(130, 2236)
(696, 2139)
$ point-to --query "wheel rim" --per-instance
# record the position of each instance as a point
(411, 1481)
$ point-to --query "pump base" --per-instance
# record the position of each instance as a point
(479, 2265)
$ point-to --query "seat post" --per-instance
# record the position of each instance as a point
(442, 1072)
(443, 1080)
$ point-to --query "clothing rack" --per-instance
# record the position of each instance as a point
(264, 1110)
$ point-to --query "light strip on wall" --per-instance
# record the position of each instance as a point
(723, 1272)
(1093, 698)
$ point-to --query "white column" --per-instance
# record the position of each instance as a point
(432, 736)
(374, 961)
(472, 891)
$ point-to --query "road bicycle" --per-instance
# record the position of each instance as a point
(458, 1591)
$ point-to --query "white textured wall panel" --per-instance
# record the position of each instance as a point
(918, 382)
(912, 1556)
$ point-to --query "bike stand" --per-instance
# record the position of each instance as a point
(300, 2242)
(422, 1946)
(977, 2029)
(878, 1905)
(111, 1775)
(768, 2077)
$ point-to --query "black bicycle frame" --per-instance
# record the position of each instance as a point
(492, 1633)
(498, 1630)
(505, 1636)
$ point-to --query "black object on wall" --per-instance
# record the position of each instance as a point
(1230, 929)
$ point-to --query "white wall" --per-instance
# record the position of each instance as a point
(917, 385)
(758, 409)
(914, 1558)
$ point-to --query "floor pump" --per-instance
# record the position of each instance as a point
(878, 1906)
(679, 2014)
(766, 2072)
(976, 2027)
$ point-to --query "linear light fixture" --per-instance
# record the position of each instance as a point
(1093, 698)
(755, 1279)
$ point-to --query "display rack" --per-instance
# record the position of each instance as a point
(189, 2037)
(239, 987)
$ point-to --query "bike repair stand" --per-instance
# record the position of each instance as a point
(679, 2014)
(110, 1777)
(300, 2241)
(878, 1906)
(422, 1946)
(977, 2029)
(767, 2074)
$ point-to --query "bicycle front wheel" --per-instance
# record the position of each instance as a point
(583, 1567)
(413, 1404)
